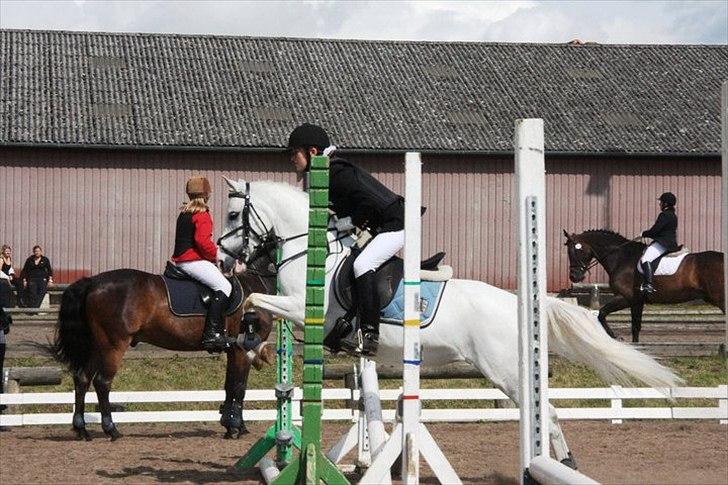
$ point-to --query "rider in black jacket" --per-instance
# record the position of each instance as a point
(354, 193)
(664, 239)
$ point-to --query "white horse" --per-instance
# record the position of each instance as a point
(475, 322)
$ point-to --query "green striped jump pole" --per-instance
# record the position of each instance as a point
(313, 467)
(282, 435)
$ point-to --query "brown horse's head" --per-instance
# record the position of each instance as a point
(580, 255)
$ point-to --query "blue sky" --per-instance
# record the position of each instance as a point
(612, 22)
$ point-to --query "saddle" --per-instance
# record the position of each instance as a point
(388, 277)
(188, 297)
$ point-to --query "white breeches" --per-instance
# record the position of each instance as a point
(207, 273)
(378, 251)
(652, 252)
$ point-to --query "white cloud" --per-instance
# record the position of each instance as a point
(512, 21)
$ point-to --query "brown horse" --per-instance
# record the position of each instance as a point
(101, 316)
(699, 277)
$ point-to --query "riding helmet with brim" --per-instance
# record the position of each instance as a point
(668, 198)
(308, 135)
(198, 187)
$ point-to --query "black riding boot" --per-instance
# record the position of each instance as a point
(213, 337)
(647, 273)
(365, 340)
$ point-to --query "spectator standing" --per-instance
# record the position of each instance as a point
(37, 275)
(7, 275)
(5, 322)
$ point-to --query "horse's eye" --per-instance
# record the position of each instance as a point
(233, 215)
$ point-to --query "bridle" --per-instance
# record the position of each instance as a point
(268, 240)
(595, 258)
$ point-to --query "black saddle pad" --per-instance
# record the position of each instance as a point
(185, 296)
(388, 277)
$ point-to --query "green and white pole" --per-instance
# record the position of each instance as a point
(313, 467)
(282, 435)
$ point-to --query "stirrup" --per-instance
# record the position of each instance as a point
(647, 289)
(218, 343)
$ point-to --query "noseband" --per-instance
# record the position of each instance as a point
(268, 240)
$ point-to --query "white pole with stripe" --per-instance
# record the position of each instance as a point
(411, 338)
(410, 437)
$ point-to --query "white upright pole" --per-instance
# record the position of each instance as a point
(411, 327)
(724, 207)
(530, 215)
(410, 438)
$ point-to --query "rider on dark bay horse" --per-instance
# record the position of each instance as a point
(195, 254)
(354, 193)
(664, 239)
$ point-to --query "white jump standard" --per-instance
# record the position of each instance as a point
(410, 437)
(530, 216)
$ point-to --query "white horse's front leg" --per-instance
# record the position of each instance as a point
(286, 307)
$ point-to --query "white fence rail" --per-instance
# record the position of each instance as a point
(615, 412)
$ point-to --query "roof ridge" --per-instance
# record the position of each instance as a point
(568, 44)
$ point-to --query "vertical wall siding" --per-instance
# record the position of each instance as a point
(95, 210)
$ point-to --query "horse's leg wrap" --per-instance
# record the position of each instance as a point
(103, 387)
(80, 384)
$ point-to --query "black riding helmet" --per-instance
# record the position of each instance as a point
(668, 198)
(308, 135)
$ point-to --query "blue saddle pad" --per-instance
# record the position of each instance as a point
(185, 297)
(430, 296)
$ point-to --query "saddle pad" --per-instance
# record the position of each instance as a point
(185, 297)
(666, 266)
(430, 295)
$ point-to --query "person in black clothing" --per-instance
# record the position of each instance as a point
(7, 276)
(664, 239)
(37, 274)
(5, 322)
(355, 194)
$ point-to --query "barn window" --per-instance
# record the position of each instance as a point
(106, 61)
(256, 66)
(466, 117)
(584, 73)
(441, 72)
(273, 113)
(622, 119)
(111, 109)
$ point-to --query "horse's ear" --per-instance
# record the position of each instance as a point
(568, 237)
(232, 184)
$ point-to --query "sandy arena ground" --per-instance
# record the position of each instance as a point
(674, 452)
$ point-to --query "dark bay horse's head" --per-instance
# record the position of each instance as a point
(580, 255)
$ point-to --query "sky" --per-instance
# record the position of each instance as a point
(607, 22)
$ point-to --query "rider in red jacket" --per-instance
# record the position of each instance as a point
(195, 254)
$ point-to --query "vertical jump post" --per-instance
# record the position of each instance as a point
(313, 467)
(724, 207)
(536, 464)
(410, 437)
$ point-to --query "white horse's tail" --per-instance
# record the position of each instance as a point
(576, 334)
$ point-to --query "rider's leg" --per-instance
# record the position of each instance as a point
(378, 251)
(652, 252)
(213, 336)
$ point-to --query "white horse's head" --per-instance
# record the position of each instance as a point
(254, 212)
(232, 251)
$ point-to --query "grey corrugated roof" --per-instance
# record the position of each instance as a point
(218, 92)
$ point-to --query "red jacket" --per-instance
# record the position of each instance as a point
(193, 238)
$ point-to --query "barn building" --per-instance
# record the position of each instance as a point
(99, 132)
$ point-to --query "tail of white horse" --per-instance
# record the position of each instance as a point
(576, 334)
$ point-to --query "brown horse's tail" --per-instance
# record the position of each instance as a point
(74, 343)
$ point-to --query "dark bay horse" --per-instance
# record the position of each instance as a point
(699, 277)
(101, 316)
